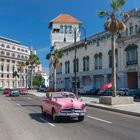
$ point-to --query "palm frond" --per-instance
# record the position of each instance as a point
(102, 13)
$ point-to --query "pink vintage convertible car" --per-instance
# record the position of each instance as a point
(63, 104)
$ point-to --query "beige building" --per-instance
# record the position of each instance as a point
(94, 61)
(11, 52)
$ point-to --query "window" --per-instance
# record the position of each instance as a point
(7, 68)
(7, 75)
(136, 28)
(100, 61)
(2, 53)
(86, 63)
(2, 67)
(18, 49)
(13, 61)
(13, 48)
(56, 30)
(96, 61)
(8, 54)
(1, 75)
(18, 56)
(13, 55)
(8, 60)
(8, 46)
(2, 45)
(13, 69)
(76, 65)
(98, 43)
(67, 67)
(22, 50)
(131, 30)
(131, 57)
(59, 69)
(2, 60)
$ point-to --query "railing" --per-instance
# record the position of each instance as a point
(133, 62)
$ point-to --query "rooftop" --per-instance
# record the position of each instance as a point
(64, 18)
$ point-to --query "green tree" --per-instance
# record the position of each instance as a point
(54, 58)
(38, 80)
(114, 25)
(32, 62)
(20, 68)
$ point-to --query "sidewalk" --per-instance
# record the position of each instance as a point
(130, 109)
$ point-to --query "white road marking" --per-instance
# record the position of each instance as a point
(47, 122)
(29, 98)
(18, 105)
(99, 119)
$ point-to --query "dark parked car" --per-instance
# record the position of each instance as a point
(108, 92)
(94, 91)
(42, 88)
(135, 93)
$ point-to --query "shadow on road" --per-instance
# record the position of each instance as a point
(47, 119)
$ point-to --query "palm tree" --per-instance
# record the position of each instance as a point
(32, 62)
(20, 68)
(114, 26)
(54, 58)
(15, 75)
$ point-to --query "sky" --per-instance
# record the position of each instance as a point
(27, 20)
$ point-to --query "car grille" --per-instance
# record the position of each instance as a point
(71, 110)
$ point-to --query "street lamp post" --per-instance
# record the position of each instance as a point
(75, 69)
(75, 57)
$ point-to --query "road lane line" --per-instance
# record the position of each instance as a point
(47, 122)
(18, 104)
(99, 119)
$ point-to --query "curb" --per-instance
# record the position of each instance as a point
(114, 110)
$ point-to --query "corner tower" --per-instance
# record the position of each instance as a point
(62, 33)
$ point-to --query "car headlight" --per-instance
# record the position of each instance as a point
(59, 106)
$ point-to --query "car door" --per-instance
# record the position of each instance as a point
(47, 104)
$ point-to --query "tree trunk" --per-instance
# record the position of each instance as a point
(20, 81)
(113, 66)
(31, 77)
(54, 79)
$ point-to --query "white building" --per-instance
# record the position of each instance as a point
(94, 61)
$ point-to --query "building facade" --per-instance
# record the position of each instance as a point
(11, 52)
(94, 61)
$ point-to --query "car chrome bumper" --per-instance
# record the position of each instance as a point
(71, 114)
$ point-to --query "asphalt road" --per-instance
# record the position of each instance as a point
(21, 119)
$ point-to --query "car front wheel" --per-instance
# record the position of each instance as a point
(81, 118)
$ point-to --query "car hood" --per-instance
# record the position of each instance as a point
(69, 103)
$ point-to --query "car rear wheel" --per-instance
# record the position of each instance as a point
(43, 113)
(81, 118)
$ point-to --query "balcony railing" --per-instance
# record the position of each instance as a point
(133, 62)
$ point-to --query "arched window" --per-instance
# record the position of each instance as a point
(96, 61)
(8, 54)
(2, 45)
(13, 48)
(100, 60)
(13, 55)
(131, 54)
(8, 46)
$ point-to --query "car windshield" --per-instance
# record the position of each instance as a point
(62, 95)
